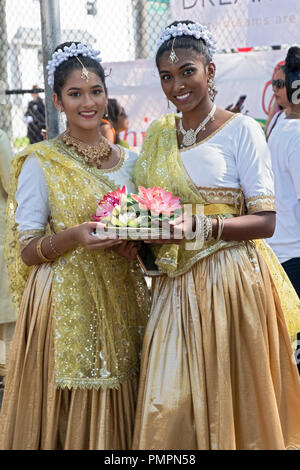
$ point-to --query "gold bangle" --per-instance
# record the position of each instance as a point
(220, 227)
(53, 246)
(39, 250)
(208, 234)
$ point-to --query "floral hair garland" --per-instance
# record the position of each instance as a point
(69, 51)
(189, 29)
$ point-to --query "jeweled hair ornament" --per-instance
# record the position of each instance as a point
(188, 29)
(85, 73)
(64, 54)
(173, 57)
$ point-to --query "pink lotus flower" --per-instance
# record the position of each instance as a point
(111, 201)
(156, 200)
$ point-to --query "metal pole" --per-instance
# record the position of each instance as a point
(50, 25)
(141, 29)
(5, 105)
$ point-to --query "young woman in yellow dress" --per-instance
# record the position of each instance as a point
(218, 369)
(82, 302)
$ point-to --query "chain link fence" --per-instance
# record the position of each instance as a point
(123, 30)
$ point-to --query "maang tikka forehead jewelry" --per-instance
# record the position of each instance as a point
(85, 73)
(173, 57)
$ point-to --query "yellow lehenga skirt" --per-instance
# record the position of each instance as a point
(217, 364)
(37, 415)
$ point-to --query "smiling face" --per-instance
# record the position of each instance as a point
(83, 102)
(280, 93)
(185, 82)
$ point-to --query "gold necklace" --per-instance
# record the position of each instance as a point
(93, 155)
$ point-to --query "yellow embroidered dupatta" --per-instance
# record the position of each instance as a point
(100, 300)
(160, 164)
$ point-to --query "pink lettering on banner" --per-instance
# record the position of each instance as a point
(136, 138)
(267, 105)
(127, 133)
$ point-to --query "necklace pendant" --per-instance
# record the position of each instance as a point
(203, 129)
(189, 138)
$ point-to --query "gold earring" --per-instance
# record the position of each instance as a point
(211, 89)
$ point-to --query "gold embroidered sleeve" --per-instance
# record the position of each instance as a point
(26, 236)
(261, 203)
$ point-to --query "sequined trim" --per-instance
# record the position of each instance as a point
(260, 203)
(231, 196)
(211, 135)
(221, 245)
(27, 236)
(119, 164)
(66, 382)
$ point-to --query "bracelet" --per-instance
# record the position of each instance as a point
(203, 227)
(220, 227)
(39, 250)
(52, 245)
(200, 226)
(208, 228)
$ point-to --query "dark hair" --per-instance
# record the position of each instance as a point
(63, 71)
(184, 42)
(113, 110)
(292, 70)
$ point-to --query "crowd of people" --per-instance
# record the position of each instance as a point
(208, 360)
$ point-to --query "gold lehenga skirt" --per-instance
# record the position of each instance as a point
(217, 369)
(37, 415)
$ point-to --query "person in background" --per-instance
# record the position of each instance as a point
(7, 312)
(284, 143)
(116, 122)
(281, 103)
(238, 106)
(35, 117)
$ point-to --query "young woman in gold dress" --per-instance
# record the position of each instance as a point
(217, 364)
(82, 302)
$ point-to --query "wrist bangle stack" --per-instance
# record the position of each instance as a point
(199, 229)
(39, 250)
(53, 246)
(203, 227)
(209, 229)
(220, 227)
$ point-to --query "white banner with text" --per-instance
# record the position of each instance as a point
(243, 23)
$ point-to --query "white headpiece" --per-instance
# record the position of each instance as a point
(189, 29)
(72, 51)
